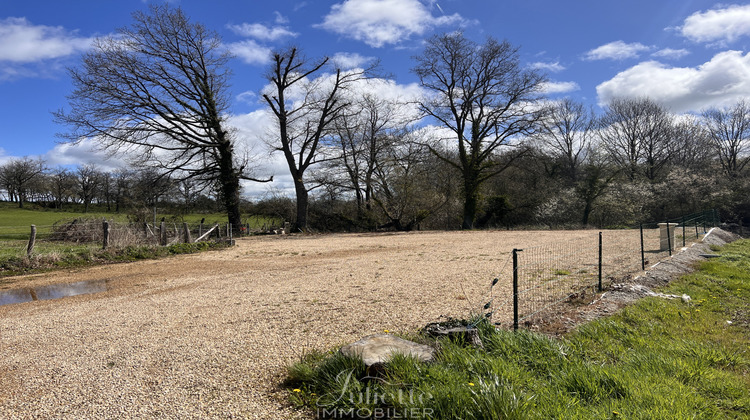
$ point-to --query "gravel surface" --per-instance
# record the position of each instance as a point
(209, 335)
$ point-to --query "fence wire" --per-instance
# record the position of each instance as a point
(90, 233)
(574, 271)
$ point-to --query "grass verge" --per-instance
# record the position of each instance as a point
(89, 255)
(655, 359)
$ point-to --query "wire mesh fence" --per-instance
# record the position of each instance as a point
(545, 276)
(93, 233)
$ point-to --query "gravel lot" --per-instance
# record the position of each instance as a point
(209, 335)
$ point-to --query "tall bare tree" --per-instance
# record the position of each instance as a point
(637, 134)
(17, 175)
(482, 94)
(566, 134)
(62, 184)
(305, 102)
(88, 182)
(691, 144)
(159, 88)
(729, 131)
(364, 136)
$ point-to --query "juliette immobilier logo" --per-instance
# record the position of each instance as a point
(372, 397)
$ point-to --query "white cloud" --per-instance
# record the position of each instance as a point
(553, 67)
(559, 87)
(250, 51)
(257, 131)
(4, 158)
(262, 32)
(280, 19)
(254, 131)
(722, 81)
(248, 97)
(381, 22)
(718, 25)
(22, 42)
(671, 53)
(617, 50)
(348, 61)
(82, 153)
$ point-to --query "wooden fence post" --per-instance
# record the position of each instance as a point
(163, 233)
(32, 241)
(187, 238)
(105, 240)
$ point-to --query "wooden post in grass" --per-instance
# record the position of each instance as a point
(105, 237)
(163, 234)
(187, 238)
(32, 241)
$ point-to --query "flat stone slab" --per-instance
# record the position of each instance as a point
(379, 348)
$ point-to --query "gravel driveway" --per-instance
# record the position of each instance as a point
(209, 335)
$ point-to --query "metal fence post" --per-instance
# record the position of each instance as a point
(643, 251)
(669, 239)
(697, 235)
(600, 261)
(683, 230)
(515, 289)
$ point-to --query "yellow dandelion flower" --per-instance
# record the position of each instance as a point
(471, 383)
(296, 390)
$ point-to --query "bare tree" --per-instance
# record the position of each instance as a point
(406, 187)
(637, 132)
(305, 109)
(691, 144)
(729, 131)
(17, 175)
(485, 97)
(364, 135)
(123, 180)
(566, 135)
(62, 185)
(159, 88)
(88, 181)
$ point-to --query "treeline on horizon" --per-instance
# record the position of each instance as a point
(635, 162)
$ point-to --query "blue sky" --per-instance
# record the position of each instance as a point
(688, 55)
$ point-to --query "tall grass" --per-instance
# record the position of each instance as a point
(655, 359)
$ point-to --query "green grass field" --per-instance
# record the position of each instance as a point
(15, 228)
(15, 223)
(657, 359)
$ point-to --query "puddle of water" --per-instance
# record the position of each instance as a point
(52, 291)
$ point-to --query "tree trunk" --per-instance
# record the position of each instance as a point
(302, 204)
(471, 200)
(229, 182)
(586, 213)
